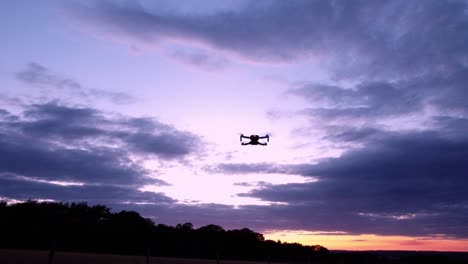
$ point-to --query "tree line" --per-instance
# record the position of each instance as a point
(85, 228)
(96, 229)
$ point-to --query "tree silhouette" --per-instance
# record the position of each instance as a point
(85, 228)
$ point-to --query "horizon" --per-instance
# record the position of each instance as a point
(140, 105)
(273, 236)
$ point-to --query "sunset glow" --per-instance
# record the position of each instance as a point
(370, 241)
(140, 105)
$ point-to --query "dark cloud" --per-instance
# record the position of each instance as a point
(351, 134)
(293, 29)
(409, 53)
(5, 115)
(68, 153)
(262, 30)
(62, 143)
(166, 144)
(200, 59)
(85, 126)
(115, 97)
(453, 127)
(415, 51)
(8, 100)
(407, 184)
(371, 101)
(365, 101)
(411, 155)
(19, 188)
(61, 122)
(39, 75)
(36, 159)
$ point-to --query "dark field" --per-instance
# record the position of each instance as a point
(40, 257)
(9, 256)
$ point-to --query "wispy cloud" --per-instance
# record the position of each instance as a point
(198, 58)
(364, 101)
(278, 33)
(23, 189)
(38, 75)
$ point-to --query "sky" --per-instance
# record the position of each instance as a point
(139, 105)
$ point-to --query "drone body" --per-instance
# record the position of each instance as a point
(254, 140)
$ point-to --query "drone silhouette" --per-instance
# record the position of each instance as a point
(254, 140)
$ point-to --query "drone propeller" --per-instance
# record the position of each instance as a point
(268, 138)
(241, 136)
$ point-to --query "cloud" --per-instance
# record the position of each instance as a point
(157, 206)
(57, 142)
(293, 29)
(244, 168)
(346, 134)
(52, 121)
(229, 217)
(453, 127)
(397, 184)
(166, 144)
(35, 159)
(371, 103)
(68, 153)
(365, 100)
(5, 115)
(19, 188)
(267, 30)
(386, 61)
(411, 53)
(405, 184)
(408, 59)
(38, 75)
(6, 99)
(198, 58)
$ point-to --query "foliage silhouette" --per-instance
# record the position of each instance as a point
(84, 228)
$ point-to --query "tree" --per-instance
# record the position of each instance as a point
(85, 228)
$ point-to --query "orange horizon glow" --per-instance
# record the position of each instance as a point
(362, 242)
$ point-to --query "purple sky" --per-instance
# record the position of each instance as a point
(139, 105)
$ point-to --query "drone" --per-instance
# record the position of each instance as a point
(254, 140)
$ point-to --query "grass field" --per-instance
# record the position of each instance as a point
(8, 256)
